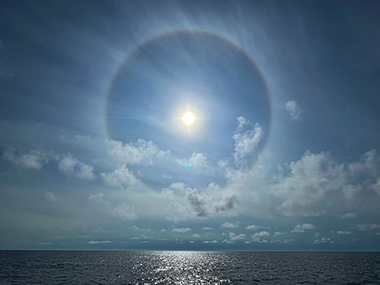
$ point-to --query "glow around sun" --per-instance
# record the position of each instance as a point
(188, 118)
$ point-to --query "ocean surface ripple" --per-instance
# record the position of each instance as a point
(187, 267)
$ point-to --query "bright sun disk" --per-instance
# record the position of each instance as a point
(188, 118)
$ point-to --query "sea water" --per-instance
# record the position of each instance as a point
(187, 267)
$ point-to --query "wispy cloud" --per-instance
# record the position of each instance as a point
(369, 227)
(98, 241)
(348, 216)
(294, 110)
(343, 233)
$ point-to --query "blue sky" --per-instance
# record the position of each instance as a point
(283, 153)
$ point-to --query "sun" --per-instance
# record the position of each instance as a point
(188, 118)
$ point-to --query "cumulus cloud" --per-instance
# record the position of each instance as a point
(323, 240)
(175, 189)
(196, 236)
(233, 237)
(293, 109)
(35, 159)
(246, 139)
(207, 229)
(197, 162)
(261, 234)
(309, 182)
(71, 166)
(251, 227)
(120, 177)
(141, 153)
(229, 225)
(302, 228)
(189, 203)
(317, 183)
(181, 230)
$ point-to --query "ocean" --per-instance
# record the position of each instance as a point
(187, 267)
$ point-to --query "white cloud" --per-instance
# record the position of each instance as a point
(251, 227)
(35, 159)
(207, 229)
(317, 183)
(210, 241)
(192, 204)
(71, 166)
(246, 139)
(124, 212)
(348, 216)
(302, 228)
(196, 236)
(177, 188)
(229, 225)
(261, 234)
(98, 241)
(279, 233)
(310, 181)
(293, 109)
(181, 230)
(233, 237)
(254, 227)
(198, 160)
(120, 177)
(141, 152)
(323, 240)
(343, 233)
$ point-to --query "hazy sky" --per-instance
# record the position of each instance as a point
(283, 153)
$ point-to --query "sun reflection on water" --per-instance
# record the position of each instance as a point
(183, 267)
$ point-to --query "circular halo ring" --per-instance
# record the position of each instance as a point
(136, 48)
